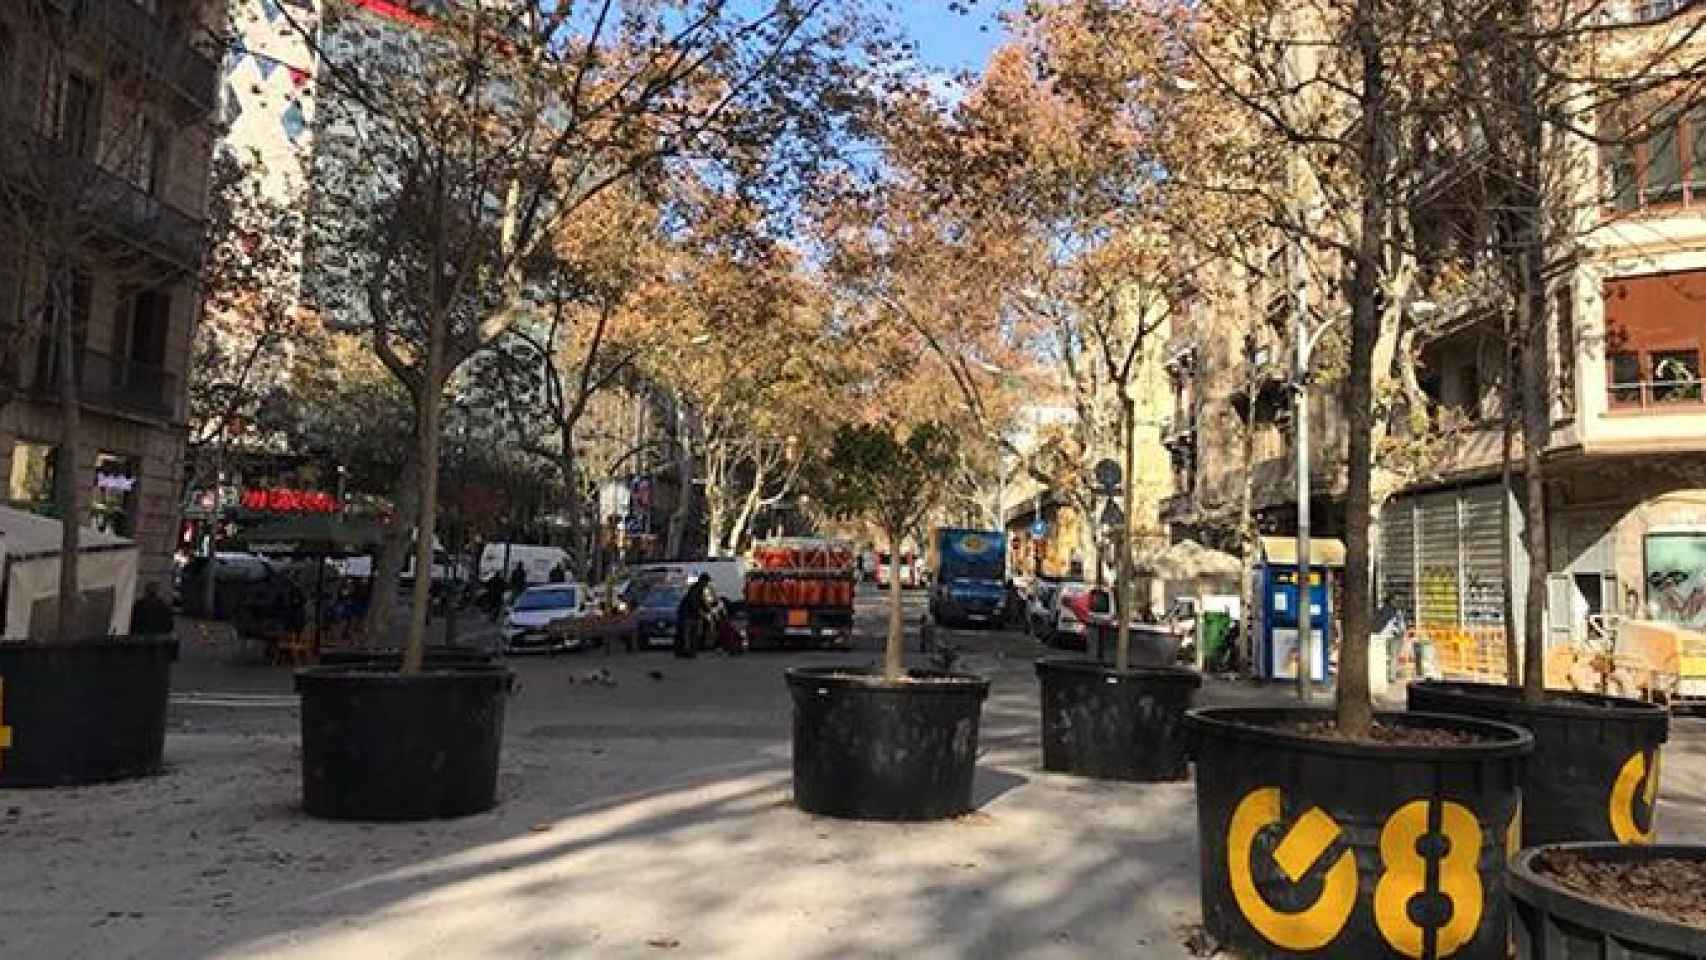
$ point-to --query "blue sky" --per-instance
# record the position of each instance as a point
(952, 41)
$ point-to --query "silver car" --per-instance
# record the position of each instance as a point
(526, 627)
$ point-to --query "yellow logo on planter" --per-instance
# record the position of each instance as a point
(5, 731)
(1406, 876)
(1623, 794)
(972, 543)
(1314, 926)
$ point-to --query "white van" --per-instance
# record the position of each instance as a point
(535, 558)
(443, 567)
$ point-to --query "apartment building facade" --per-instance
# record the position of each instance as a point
(103, 172)
(1626, 462)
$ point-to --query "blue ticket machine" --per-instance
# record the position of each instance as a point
(1279, 613)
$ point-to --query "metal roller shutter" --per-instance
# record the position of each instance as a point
(1437, 551)
(1483, 548)
(1398, 556)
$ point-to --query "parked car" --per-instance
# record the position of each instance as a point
(655, 615)
(728, 575)
(237, 577)
(526, 624)
(1068, 613)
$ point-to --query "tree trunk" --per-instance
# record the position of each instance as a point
(892, 648)
(387, 567)
(67, 489)
(684, 479)
(743, 520)
(1536, 421)
(1128, 531)
(1355, 712)
(1536, 361)
(428, 405)
(573, 506)
(1248, 536)
(1508, 402)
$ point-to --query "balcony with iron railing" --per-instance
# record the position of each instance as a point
(122, 385)
(1678, 392)
(160, 46)
(55, 175)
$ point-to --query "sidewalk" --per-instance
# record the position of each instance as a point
(648, 818)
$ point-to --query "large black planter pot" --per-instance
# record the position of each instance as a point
(84, 712)
(1552, 922)
(1098, 722)
(392, 658)
(868, 750)
(379, 745)
(1594, 774)
(1318, 848)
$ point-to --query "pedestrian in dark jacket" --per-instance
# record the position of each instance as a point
(558, 574)
(517, 579)
(151, 616)
(690, 617)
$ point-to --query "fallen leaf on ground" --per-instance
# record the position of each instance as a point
(664, 943)
(540, 827)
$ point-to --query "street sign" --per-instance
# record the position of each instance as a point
(1039, 528)
(1108, 475)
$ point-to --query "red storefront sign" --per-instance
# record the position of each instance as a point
(286, 500)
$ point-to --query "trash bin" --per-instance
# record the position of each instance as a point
(1216, 626)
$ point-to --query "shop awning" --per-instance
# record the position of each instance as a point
(1323, 551)
(29, 569)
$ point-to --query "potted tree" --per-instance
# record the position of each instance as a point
(81, 215)
(457, 154)
(1342, 832)
(893, 744)
(1596, 757)
(1609, 900)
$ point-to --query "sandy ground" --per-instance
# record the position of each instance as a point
(647, 819)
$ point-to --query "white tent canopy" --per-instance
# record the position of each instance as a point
(29, 576)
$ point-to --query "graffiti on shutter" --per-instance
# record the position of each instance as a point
(1483, 548)
(1398, 556)
(1437, 593)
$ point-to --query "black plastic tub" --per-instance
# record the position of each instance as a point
(869, 750)
(392, 657)
(1322, 848)
(1594, 773)
(380, 745)
(1099, 722)
(1551, 922)
(83, 712)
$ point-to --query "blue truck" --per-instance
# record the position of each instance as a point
(968, 583)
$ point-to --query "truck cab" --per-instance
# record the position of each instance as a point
(969, 581)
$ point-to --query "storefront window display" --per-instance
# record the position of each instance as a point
(114, 503)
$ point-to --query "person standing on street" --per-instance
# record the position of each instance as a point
(690, 617)
(517, 581)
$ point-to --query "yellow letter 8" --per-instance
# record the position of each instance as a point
(1406, 873)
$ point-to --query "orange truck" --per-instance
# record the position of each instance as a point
(799, 593)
